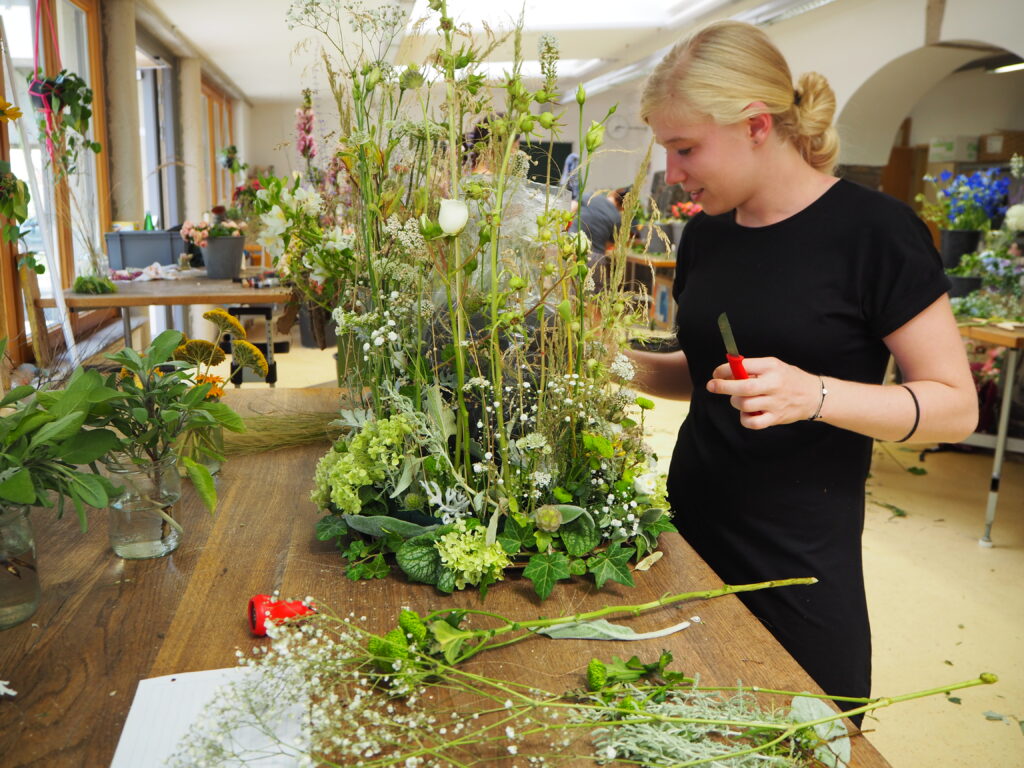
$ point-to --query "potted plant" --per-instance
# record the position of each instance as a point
(222, 244)
(156, 399)
(43, 446)
(963, 209)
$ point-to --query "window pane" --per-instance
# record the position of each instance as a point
(85, 220)
(18, 16)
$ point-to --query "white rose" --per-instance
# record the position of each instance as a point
(646, 484)
(453, 216)
(1014, 220)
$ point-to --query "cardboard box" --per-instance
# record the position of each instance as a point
(1000, 146)
(956, 149)
(663, 306)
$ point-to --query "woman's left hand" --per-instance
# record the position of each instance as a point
(775, 393)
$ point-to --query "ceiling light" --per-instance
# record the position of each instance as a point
(779, 10)
(1008, 68)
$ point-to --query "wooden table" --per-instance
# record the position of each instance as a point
(186, 291)
(1013, 341)
(104, 623)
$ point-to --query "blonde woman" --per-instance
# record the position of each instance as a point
(821, 279)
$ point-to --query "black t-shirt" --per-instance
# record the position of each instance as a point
(819, 290)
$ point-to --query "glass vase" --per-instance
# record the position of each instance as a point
(19, 579)
(142, 523)
(204, 445)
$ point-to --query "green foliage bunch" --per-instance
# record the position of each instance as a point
(156, 399)
(45, 441)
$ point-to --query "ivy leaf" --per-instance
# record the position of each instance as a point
(449, 639)
(577, 567)
(611, 564)
(419, 560)
(544, 570)
(580, 536)
(330, 527)
(377, 568)
(514, 538)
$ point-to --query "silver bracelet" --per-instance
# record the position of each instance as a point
(824, 394)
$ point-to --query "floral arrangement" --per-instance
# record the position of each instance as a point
(998, 271)
(966, 202)
(684, 210)
(228, 159)
(200, 232)
(330, 692)
(491, 422)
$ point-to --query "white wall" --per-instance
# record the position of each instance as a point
(273, 137)
(969, 104)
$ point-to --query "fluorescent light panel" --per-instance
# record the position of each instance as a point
(1008, 68)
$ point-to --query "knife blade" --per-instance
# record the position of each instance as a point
(732, 353)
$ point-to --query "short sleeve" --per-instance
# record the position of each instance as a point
(905, 274)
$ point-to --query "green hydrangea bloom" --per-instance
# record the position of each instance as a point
(358, 461)
(466, 553)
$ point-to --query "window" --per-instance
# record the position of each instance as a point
(218, 134)
(156, 125)
(77, 212)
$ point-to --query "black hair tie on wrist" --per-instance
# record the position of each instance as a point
(917, 414)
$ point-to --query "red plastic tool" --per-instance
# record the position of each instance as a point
(264, 608)
(732, 354)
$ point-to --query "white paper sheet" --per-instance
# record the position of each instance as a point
(165, 707)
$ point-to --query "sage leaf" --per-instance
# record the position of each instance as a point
(379, 525)
(834, 750)
(600, 629)
(18, 488)
(86, 447)
(546, 569)
(202, 480)
(16, 394)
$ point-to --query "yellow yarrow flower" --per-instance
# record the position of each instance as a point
(8, 111)
(225, 322)
(199, 352)
(248, 356)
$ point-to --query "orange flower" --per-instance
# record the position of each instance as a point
(216, 389)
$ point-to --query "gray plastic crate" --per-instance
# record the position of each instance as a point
(140, 249)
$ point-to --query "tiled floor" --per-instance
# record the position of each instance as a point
(943, 609)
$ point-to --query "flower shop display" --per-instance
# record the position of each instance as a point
(156, 399)
(222, 244)
(964, 208)
(490, 423)
(42, 447)
(14, 199)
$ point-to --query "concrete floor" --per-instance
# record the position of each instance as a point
(943, 609)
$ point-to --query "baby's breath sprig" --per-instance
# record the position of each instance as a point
(328, 692)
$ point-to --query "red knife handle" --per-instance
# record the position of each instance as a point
(736, 364)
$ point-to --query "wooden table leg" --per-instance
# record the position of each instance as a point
(1004, 428)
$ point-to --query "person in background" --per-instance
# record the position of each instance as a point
(822, 280)
(571, 175)
(600, 213)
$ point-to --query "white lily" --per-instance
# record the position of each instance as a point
(453, 216)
